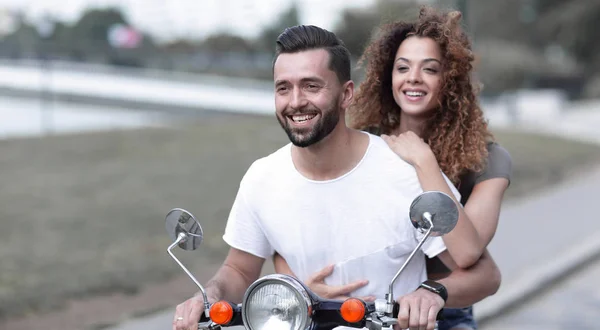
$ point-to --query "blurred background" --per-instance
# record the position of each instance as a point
(114, 112)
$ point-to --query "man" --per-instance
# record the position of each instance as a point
(333, 195)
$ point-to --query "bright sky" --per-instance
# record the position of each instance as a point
(194, 18)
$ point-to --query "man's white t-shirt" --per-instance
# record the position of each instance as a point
(359, 221)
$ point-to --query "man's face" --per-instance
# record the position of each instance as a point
(308, 96)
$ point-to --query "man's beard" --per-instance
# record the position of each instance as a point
(306, 137)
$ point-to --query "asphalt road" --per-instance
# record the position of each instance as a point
(573, 304)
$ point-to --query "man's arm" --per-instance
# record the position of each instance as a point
(465, 287)
(239, 270)
(230, 283)
(470, 285)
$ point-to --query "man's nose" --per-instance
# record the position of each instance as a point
(298, 100)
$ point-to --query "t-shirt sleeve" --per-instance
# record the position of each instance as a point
(499, 164)
(455, 191)
(433, 246)
(243, 230)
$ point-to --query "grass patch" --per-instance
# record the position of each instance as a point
(541, 161)
(83, 215)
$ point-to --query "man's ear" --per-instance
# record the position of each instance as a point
(347, 94)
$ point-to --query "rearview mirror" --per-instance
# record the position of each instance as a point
(180, 221)
(434, 208)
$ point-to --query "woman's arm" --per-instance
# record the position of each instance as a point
(473, 284)
(484, 202)
(483, 207)
(463, 242)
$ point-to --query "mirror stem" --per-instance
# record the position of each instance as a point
(390, 295)
(180, 238)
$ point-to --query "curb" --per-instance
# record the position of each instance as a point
(538, 279)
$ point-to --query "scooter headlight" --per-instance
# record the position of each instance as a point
(276, 302)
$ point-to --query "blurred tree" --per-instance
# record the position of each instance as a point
(531, 41)
(572, 25)
(22, 42)
(357, 26)
(62, 42)
(266, 40)
(90, 33)
(225, 42)
(87, 39)
(180, 46)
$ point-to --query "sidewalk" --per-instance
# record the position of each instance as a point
(546, 237)
(541, 239)
(132, 90)
(548, 311)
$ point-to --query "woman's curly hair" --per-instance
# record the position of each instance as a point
(456, 132)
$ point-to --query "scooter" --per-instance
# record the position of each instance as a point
(282, 302)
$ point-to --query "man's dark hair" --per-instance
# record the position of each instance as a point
(305, 37)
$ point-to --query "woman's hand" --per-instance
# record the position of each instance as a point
(410, 147)
(316, 284)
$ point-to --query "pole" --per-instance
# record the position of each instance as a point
(45, 29)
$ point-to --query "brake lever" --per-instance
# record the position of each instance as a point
(380, 322)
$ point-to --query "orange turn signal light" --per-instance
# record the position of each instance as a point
(353, 310)
(221, 312)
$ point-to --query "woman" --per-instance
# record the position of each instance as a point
(419, 96)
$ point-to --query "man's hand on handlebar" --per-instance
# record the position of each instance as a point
(188, 313)
(419, 310)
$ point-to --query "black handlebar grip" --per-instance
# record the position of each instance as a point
(203, 318)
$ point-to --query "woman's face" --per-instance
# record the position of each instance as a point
(417, 76)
